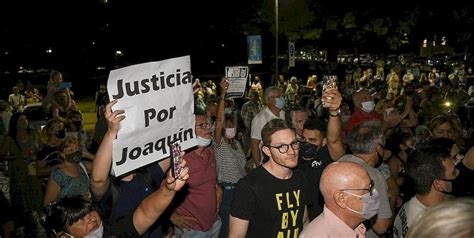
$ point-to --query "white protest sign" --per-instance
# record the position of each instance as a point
(291, 54)
(237, 77)
(158, 101)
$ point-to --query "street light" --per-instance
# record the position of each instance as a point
(276, 40)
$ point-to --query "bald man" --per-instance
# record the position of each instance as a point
(350, 198)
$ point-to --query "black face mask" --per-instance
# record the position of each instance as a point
(408, 151)
(308, 150)
(74, 157)
(61, 134)
(77, 124)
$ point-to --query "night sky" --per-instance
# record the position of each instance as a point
(85, 34)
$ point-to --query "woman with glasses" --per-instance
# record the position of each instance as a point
(52, 134)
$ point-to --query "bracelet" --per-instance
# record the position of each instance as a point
(338, 113)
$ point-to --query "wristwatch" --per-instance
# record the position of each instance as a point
(338, 113)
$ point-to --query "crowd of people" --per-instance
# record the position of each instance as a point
(376, 156)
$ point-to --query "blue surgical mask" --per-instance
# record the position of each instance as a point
(280, 102)
(370, 204)
(203, 142)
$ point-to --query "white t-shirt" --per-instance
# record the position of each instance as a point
(409, 213)
(261, 119)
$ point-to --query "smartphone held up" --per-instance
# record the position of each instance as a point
(329, 82)
(176, 157)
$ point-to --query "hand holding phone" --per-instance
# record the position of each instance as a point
(176, 157)
(329, 82)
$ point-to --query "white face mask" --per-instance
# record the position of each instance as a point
(227, 110)
(230, 133)
(203, 142)
(370, 204)
(97, 233)
(368, 106)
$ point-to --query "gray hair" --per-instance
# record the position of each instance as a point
(364, 137)
(271, 89)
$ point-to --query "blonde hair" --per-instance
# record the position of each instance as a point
(45, 136)
(69, 140)
(454, 218)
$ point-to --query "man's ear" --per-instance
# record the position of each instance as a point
(266, 150)
(437, 185)
(92, 217)
(340, 199)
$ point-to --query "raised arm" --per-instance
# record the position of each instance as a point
(103, 159)
(151, 208)
(220, 111)
(334, 139)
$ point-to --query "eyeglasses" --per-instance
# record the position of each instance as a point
(205, 125)
(283, 148)
(370, 189)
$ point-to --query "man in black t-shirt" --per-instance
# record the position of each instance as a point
(271, 200)
(321, 146)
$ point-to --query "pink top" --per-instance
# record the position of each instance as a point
(329, 225)
(201, 200)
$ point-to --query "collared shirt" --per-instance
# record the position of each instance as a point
(261, 119)
(328, 225)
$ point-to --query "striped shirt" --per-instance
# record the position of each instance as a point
(230, 161)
